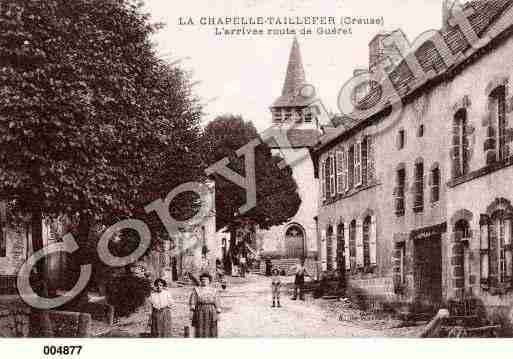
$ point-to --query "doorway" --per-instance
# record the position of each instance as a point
(427, 273)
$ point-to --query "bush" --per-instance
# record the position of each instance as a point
(127, 293)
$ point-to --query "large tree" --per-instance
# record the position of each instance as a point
(89, 114)
(277, 197)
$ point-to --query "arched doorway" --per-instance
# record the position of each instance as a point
(295, 242)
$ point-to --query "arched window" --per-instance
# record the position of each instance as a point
(366, 241)
(329, 248)
(352, 245)
(463, 228)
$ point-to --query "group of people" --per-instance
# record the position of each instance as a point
(204, 303)
(204, 308)
(300, 273)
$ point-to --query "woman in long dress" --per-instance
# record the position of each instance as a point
(205, 308)
(162, 305)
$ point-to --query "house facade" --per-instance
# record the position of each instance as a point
(415, 204)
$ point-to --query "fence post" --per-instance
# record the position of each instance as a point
(186, 332)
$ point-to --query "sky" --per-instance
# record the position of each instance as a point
(244, 74)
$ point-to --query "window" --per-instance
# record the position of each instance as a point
(308, 115)
(418, 199)
(420, 132)
(502, 238)
(352, 246)
(298, 116)
(277, 115)
(498, 114)
(288, 115)
(435, 185)
(351, 167)
(333, 181)
(401, 139)
(357, 164)
(366, 242)
(399, 277)
(346, 170)
(460, 143)
(365, 167)
(3, 243)
(340, 171)
(329, 248)
(322, 179)
(340, 247)
(327, 176)
(496, 255)
(462, 228)
(400, 190)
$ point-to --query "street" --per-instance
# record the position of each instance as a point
(248, 313)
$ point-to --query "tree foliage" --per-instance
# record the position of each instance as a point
(91, 119)
(277, 197)
(92, 122)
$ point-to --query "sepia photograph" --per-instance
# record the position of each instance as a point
(255, 169)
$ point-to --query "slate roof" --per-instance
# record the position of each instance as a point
(486, 12)
(294, 81)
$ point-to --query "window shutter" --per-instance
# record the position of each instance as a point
(327, 168)
(493, 249)
(323, 249)
(358, 164)
(346, 246)
(370, 160)
(507, 245)
(372, 241)
(484, 243)
(340, 171)
(333, 176)
(359, 243)
(364, 162)
(346, 169)
(323, 180)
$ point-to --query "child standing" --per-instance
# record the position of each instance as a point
(275, 287)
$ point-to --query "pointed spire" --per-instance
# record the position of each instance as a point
(295, 76)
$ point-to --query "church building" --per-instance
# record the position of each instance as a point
(299, 113)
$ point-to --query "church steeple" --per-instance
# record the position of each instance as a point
(295, 77)
(298, 103)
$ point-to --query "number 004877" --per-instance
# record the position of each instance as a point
(62, 349)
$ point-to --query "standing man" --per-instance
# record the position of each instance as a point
(299, 280)
(242, 264)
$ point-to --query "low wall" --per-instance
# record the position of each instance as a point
(287, 264)
(14, 320)
(372, 293)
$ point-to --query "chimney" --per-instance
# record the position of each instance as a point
(446, 12)
(378, 51)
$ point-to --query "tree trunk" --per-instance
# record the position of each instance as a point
(41, 325)
(83, 255)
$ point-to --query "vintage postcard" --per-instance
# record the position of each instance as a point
(255, 169)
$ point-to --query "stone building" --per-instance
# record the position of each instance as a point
(190, 251)
(415, 203)
(299, 113)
